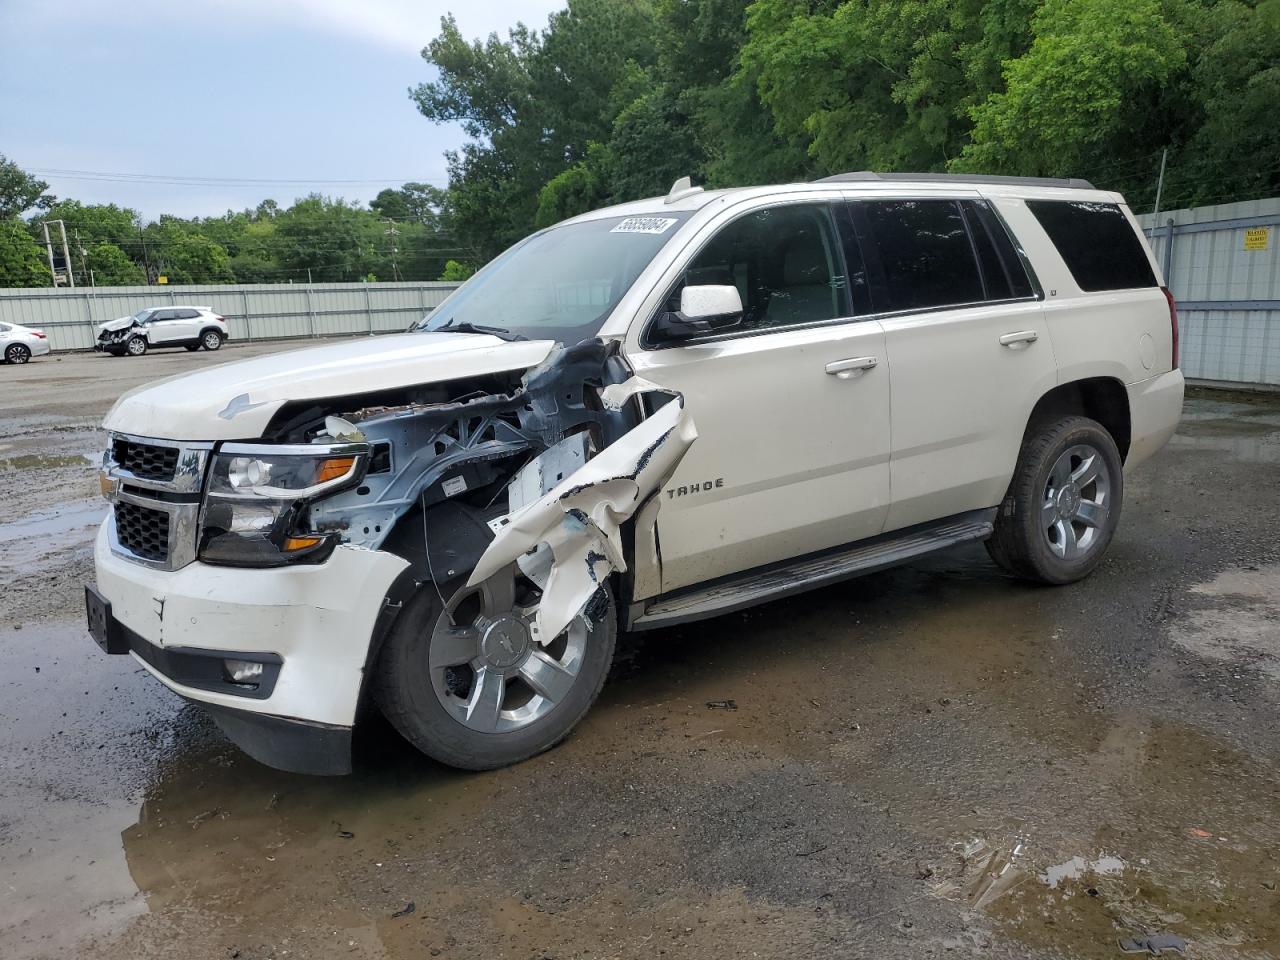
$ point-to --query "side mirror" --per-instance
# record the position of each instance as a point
(703, 309)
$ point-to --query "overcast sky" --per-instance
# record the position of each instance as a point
(233, 89)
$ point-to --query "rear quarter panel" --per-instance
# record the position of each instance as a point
(1122, 334)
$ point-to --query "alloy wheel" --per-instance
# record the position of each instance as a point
(487, 670)
(1076, 502)
(17, 353)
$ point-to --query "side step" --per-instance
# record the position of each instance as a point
(806, 573)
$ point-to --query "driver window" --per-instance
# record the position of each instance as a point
(785, 262)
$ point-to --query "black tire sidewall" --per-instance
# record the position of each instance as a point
(141, 352)
(205, 336)
(19, 350)
(1074, 431)
(406, 695)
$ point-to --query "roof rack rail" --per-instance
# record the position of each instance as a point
(1074, 183)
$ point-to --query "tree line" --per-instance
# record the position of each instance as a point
(615, 99)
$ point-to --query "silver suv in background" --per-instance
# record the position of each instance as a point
(172, 326)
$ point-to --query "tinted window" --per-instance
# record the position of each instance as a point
(925, 253)
(785, 262)
(1003, 274)
(1096, 241)
(187, 314)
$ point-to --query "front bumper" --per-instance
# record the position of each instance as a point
(313, 623)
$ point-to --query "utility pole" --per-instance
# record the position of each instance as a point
(66, 253)
(392, 232)
(84, 260)
(48, 245)
(146, 260)
(1164, 155)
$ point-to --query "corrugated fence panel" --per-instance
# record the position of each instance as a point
(1224, 269)
(253, 311)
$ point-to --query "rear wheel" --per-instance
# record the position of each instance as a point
(468, 685)
(1063, 505)
(136, 346)
(17, 353)
(211, 339)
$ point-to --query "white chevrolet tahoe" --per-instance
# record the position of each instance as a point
(647, 415)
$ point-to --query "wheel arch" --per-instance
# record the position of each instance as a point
(1103, 399)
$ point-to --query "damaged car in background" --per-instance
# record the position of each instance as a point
(644, 416)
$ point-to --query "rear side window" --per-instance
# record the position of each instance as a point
(1004, 276)
(1096, 242)
(187, 314)
(925, 253)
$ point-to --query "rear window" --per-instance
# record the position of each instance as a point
(1097, 243)
(925, 252)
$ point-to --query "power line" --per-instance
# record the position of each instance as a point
(208, 181)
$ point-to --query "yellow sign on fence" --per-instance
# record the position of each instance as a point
(1257, 238)
(163, 279)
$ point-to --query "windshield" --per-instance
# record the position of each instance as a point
(559, 284)
(142, 314)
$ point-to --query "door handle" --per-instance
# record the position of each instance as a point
(853, 367)
(1022, 336)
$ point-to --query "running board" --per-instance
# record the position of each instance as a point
(806, 573)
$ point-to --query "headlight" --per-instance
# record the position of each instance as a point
(257, 501)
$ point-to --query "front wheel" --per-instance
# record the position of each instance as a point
(17, 353)
(468, 685)
(136, 346)
(1063, 505)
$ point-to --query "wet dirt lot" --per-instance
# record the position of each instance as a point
(934, 761)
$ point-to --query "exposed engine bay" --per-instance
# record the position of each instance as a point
(542, 469)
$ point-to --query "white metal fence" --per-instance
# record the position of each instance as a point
(1223, 265)
(258, 311)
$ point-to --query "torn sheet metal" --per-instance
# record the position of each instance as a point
(579, 519)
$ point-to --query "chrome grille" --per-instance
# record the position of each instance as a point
(155, 486)
(145, 461)
(143, 531)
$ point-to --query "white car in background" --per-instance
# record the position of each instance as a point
(173, 326)
(20, 344)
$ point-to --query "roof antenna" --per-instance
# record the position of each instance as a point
(680, 189)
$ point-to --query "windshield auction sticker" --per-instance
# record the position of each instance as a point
(644, 225)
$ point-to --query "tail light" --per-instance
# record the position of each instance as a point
(40, 334)
(1173, 323)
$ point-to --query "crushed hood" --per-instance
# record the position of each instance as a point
(120, 323)
(237, 400)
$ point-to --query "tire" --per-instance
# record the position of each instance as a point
(424, 700)
(192, 347)
(211, 339)
(17, 353)
(1063, 504)
(136, 346)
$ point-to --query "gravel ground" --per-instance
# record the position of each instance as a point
(932, 761)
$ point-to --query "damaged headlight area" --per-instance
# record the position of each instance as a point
(257, 504)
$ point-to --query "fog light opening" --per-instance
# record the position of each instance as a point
(247, 673)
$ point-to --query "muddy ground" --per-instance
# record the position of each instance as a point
(935, 761)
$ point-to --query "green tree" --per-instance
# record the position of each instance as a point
(22, 260)
(111, 266)
(1085, 89)
(184, 256)
(455, 272)
(19, 191)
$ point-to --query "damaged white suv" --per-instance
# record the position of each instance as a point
(643, 416)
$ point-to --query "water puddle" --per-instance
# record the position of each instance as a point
(1238, 620)
(32, 538)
